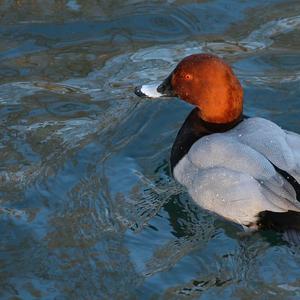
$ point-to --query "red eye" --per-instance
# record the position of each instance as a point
(188, 77)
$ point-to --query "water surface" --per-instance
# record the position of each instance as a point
(89, 209)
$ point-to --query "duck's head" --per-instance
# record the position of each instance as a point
(205, 81)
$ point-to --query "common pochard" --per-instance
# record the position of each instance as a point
(246, 170)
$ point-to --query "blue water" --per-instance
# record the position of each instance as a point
(88, 208)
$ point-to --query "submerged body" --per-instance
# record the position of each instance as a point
(246, 170)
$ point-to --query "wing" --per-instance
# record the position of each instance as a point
(293, 142)
(280, 147)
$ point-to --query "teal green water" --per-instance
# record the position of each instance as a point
(88, 208)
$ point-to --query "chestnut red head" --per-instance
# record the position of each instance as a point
(207, 82)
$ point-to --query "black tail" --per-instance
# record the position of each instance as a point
(287, 223)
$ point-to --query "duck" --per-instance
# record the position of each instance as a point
(243, 169)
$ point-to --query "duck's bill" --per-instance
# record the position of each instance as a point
(156, 91)
(148, 91)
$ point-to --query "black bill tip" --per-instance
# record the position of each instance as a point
(138, 92)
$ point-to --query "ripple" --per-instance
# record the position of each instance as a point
(86, 192)
(264, 36)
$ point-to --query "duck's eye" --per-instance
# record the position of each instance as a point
(188, 77)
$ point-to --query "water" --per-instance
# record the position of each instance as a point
(88, 207)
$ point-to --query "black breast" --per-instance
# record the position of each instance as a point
(192, 130)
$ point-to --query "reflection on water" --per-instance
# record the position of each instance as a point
(89, 209)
